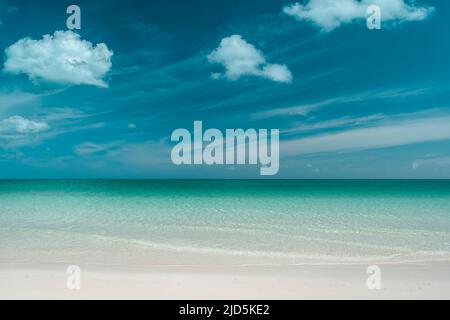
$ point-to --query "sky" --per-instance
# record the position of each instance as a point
(103, 101)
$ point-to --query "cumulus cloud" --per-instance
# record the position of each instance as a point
(330, 14)
(62, 58)
(241, 58)
(21, 125)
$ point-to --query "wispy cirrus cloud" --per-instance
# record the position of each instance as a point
(329, 14)
(347, 122)
(241, 58)
(11, 101)
(307, 108)
(19, 131)
(384, 134)
(89, 148)
(62, 58)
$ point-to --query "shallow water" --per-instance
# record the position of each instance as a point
(324, 221)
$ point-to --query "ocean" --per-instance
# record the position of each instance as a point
(250, 221)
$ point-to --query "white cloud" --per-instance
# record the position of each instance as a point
(61, 58)
(241, 58)
(19, 131)
(330, 14)
(384, 135)
(18, 124)
(277, 72)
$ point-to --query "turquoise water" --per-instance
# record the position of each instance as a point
(290, 220)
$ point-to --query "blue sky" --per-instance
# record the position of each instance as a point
(349, 102)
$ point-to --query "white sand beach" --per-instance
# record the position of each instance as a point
(399, 281)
